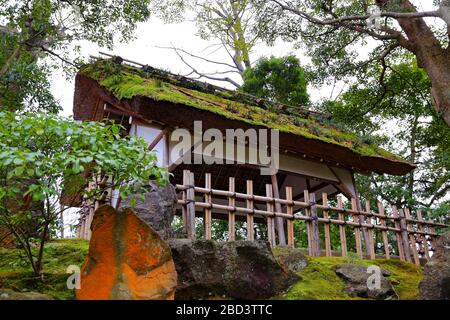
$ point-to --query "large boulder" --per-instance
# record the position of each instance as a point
(435, 284)
(127, 260)
(7, 294)
(356, 277)
(292, 258)
(235, 269)
(157, 209)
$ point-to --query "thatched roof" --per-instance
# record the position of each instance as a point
(156, 93)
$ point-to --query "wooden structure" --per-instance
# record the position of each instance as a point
(317, 159)
(398, 233)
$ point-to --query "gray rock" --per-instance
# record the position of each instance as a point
(235, 269)
(293, 259)
(435, 284)
(7, 294)
(157, 209)
(356, 277)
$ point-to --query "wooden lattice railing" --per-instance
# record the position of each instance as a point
(411, 239)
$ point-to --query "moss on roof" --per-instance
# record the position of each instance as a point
(126, 82)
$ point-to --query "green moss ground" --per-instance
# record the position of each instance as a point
(126, 82)
(16, 274)
(320, 282)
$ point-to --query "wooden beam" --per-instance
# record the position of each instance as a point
(278, 221)
(231, 214)
(208, 199)
(326, 227)
(290, 222)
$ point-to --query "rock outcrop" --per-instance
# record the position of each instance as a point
(7, 294)
(236, 269)
(127, 260)
(157, 209)
(435, 284)
(356, 277)
(292, 258)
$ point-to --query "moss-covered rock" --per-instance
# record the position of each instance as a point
(320, 281)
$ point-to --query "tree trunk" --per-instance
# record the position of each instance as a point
(430, 56)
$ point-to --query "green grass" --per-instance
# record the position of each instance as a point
(320, 282)
(16, 273)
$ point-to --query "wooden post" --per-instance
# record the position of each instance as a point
(370, 242)
(356, 230)
(191, 206)
(279, 224)
(250, 227)
(61, 221)
(412, 239)
(208, 199)
(87, 230)
(423, 237)
(315, 226)
(383, 232)
(270, 220)
(342, 227)
(290, 222)
(83, 225)
(231, 214)
(326, 226)
(398, 235)
(184, 209)
(308, 224)
(405, 240)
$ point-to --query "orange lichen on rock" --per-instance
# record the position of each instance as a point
(127, 260)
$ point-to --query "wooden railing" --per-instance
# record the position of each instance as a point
(411, 239)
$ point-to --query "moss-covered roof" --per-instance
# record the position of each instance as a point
(126, 82)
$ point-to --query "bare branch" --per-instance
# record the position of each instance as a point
(203, 75)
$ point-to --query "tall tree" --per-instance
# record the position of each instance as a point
(39, 35)
(279, 80)
(334, 30)
(418, 134)
(230, 24)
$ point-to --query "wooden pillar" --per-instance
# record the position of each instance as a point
(326, 226)
(231, 214)
(423, 238)
(290, 222)
(384, 232)
(184, 209)
(190, 214)
(412, 239)
(270, 220)
(370, 233)
(405, 240)
(356, 229)
(308, 224)
(278, 220)
(398, 235)
(250, 226)
(89, 219)
(342, 235)
(315, 226)
(82, 226)
(208, 199)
